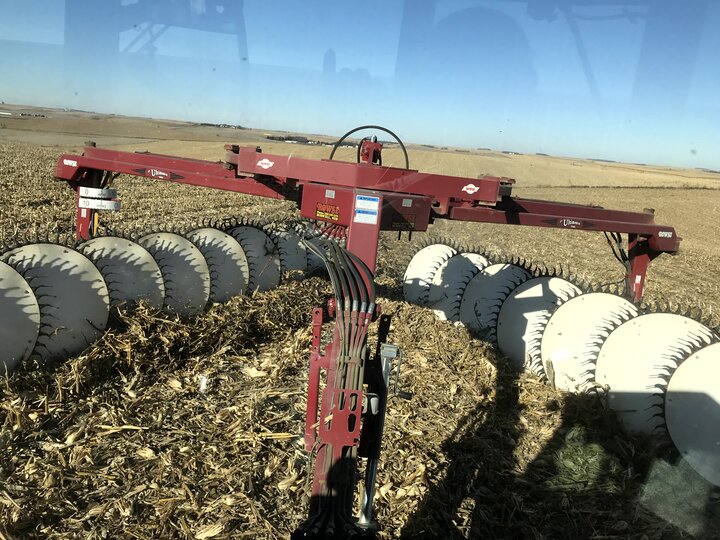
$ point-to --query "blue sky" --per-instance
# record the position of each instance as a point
(630, 81)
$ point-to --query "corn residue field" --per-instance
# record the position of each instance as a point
(192, 428)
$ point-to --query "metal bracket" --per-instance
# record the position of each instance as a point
(389, 352)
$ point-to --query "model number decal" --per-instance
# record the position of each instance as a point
(70, 162)
(665, 234)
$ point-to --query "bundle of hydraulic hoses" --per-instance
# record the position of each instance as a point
(353, 286)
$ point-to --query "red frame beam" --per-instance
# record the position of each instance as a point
(484, 190)
(326, 190)
(162, 168)
(561, 216)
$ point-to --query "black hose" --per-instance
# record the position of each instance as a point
(368, 279)
(337, 288)
(344, 278)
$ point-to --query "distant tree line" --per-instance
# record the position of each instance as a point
(231, 126)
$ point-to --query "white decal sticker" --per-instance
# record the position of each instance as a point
(570, 223)
(366, 209)
(154, 173)
(99, 204)
(665, 234)
(329, 193)
(366, 202)
(638, 279)
(97, 193)
(365, 216)
(470, 189)
(70, 162)
(265, 163)
(407, 203)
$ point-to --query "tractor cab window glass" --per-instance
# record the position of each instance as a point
(392, 269)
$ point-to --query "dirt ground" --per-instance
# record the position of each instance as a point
(121, 442)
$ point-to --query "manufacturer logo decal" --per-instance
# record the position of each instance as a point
(265, 163)
(665, 234)
(327, 211)
(157, 173)
(570, 223)
(70, 162)
(154, 173)
(470, 189)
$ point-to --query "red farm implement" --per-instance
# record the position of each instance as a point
(348, 205)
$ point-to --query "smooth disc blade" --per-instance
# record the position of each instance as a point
(449, 282)
(523, 315)
(692, 411)
(421, 271)
(184, 270)
(228, 266)
(262, 257)
(130, 272)
(19, 318)
(293, 253)
(573, 336)
(72, 295)
(634, 362)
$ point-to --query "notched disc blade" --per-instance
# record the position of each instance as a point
(184, 270)
(262, 257)
(692, 411)
(129, 270)
(421, 271)
(314, 263)
(19, 318)
(524, 312)
(229, 271)
(449, 282)
(634, 362)
(72, 295)
(293, 253)
(484, 296)
(573, 336)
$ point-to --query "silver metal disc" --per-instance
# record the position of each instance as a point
(229, 270)
(448, 284)
(129, 270)
(692, 411)
(184, 270)
(635, 360)
(72, 295)
(421, 271)
(262, 257)
(524, 312)
(573, 336)
(484, 295)
(19, 318)
(293, 253)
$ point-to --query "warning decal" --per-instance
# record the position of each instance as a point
(366, 209)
